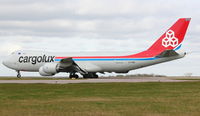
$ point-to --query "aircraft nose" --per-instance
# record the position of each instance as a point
(10, 62)
(5, 63)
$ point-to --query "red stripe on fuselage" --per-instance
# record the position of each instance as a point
(144, 54)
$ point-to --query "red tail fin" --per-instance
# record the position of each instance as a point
(173, 37)
(170, 40)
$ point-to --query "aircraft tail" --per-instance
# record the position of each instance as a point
(173, 37)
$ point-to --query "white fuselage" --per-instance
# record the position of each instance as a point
(32, 61)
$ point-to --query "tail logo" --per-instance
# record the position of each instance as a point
(170, 39)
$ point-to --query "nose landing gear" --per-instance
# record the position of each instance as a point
(18, 74)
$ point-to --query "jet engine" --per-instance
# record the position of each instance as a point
(49, 69)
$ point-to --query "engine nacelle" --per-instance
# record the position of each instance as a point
(49, 69)
(42, 73)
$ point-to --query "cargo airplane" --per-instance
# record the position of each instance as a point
(166, 48)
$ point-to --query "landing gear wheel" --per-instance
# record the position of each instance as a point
(76, 76)
(90, 75)
(85, 76)
(18, 74)
(95, 76)
(73, 76)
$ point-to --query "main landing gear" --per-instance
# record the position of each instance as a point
(18, 74)
(73, 76)
(90, 75)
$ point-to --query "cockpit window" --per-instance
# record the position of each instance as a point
(18, 53)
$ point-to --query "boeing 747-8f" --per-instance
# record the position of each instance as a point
(88, 64)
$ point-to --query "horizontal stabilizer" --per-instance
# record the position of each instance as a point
(167, 53)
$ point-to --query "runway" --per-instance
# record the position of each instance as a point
(101, 80)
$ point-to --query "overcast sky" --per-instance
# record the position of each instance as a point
(98, 25)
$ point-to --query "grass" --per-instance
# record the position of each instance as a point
(102, 99)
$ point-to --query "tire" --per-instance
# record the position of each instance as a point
(18, 76)
(85, 76)
(73, 76)
(90, 75)
(76, 76)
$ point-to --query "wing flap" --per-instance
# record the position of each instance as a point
(68, 63)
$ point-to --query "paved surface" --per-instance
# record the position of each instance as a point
(134, 80)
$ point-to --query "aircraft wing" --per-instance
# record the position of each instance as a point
(167, 53)
(66, 62)
(68, 65)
